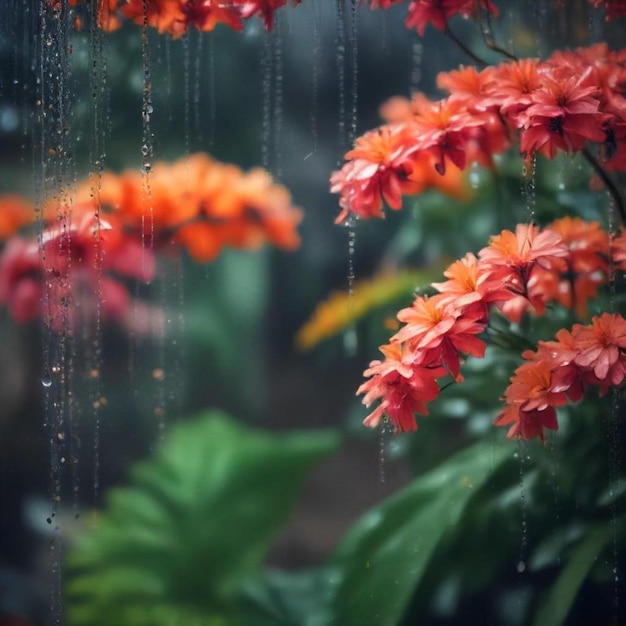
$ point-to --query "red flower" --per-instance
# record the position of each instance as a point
(382, 4)
(513, 257)
(512, 87)
(531, 387)
(526, 424)
(403, 388)
(531, 399)
(438, 12)
(262, 8)
(445, 130)
(563, 114)
(469, 285)
(77, 260)
(614, 8)
(583, 270)
(437, 333)
(618, 250)
(603, 348)
(378, 168)
(164, 15)
(206, 14)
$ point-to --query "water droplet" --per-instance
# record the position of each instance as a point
(521, 567)
(474, 179)
(46, 382)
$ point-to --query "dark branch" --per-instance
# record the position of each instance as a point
(608, 183)
(464, 48)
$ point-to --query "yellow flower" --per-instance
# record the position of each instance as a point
(342, 309)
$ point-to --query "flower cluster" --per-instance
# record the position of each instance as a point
(562, 104)
(559, 371)
(200, 204)
(517, 272)
(112, 230)
(438, 13)
(175, 17)
(75, 268)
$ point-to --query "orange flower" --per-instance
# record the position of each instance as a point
(378, 168)
(164, 15)
(531, 387)
(513, 257)
(583, 270)
(603, 348)
(512, 86)
(445, 130)
(403, 388)
(530, 401)
(467, 85)
(469, 285)
(437, 333)
(200, 204)
(106, 17)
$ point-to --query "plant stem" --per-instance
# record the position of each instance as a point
(608, 183)
(489, 40)
(463, 47)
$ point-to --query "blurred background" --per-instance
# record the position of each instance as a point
(292, 101)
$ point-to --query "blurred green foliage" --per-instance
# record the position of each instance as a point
(175, 546)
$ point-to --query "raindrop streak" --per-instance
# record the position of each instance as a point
(53, 178)
(212, 96)
(416, 64)
(384, 428)
(529, 172)
(340, 59)
(168, 76)
(101, 127)
(266, 124)
(349, 338)
(521, 454)
(354, 84)
(277, 59)
(197, 91)
(159, 375)
(147, 151)
(187, 92)
(176, 332)
(613, 427)
(315, 80)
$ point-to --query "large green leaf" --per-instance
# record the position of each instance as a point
(193, 524)
(563, 593)
(384, 556)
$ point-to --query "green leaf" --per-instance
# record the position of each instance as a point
(194, 523)
(559, 601)
(384, 556)
(289, 598)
